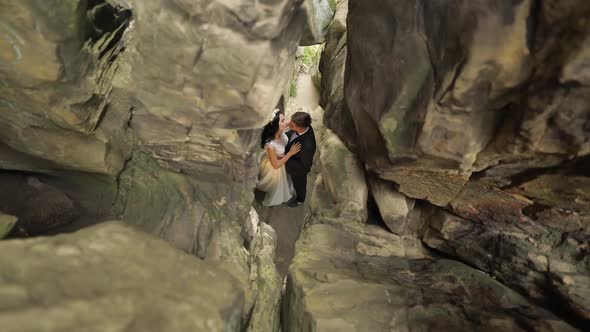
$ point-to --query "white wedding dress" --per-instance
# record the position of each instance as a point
(276, 183)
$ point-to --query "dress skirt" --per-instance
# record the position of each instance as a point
(276, 183)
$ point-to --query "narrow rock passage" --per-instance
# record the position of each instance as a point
(307, 95)
(288, 222)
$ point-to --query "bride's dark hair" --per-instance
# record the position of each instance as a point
(269, 131)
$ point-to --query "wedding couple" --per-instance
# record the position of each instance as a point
(287, 158)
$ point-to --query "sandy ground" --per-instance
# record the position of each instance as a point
(287, 223)
(307, 95)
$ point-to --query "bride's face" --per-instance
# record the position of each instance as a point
(283, 123)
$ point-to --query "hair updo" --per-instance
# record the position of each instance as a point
(269, 131)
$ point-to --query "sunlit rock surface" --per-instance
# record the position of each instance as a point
(163, 100)
(112, 277)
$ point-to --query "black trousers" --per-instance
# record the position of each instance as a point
(300, 185)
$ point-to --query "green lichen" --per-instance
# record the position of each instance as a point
(6, 224)
(293, 87)
(390, 121)
(309, 58)
(333, 4)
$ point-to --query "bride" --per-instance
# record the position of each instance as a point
(273, 178)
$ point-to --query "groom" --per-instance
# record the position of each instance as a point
(300, 164)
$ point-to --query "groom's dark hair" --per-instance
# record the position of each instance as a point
(301, 119)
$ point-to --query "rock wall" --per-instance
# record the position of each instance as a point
(465, 87)
(153, 107)
(147, 112)
(332, 66)
(471, 120)
(455, 189)
(351, 276)
(112, 277)
(319, 15)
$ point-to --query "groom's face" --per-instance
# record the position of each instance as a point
(293, 126)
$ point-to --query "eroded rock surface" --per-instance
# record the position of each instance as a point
(538, 250)
(166, 113)
(332, 67)
(477, 108)
(463, 87)
(147, 112)
(319, 16)
(112, 277)
(350, 277)
(527, 232)
(394, 207)
(57, 73)
(343, 177)
(267, 282)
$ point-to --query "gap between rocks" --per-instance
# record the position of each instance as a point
(287, 222)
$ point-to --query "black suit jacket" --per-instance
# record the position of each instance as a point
(300, 163)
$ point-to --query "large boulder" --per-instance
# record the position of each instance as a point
(112, 277)
(156, 120)
(537, 249)
(384, 281)
(344, 177)
(319, 16)
(394, 207)
(58, 82)
(352, 277)
(466, 86)
(143, 111)
(332, 67)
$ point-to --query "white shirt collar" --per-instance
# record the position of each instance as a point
(297, 134)
(306, 130)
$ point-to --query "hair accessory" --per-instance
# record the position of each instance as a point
(274, 114)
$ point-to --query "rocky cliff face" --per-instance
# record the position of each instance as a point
(332, 66)
(478, 111)
(319, 15)
(148, 112)
(101, 279)
(454, 190)
(159, 101)
(471, 88)
(355, 276)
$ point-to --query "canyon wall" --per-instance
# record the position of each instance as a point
(470, 121)
(147, 112)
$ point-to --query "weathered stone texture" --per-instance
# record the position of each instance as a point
(319, 16)
(344, 178)
(463, 87)
(135, 90)
(112, 277)
(360, 278)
